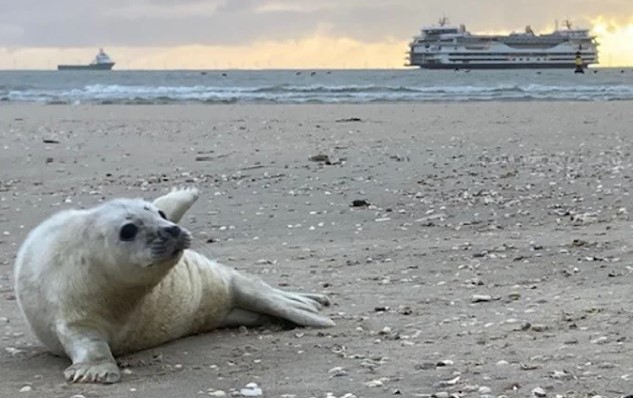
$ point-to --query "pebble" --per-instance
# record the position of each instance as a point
(451, 382)
(484, 390)
(441, 394)
(13, 350)
(337, 371)
(26, 389)
(374, 383)
(539, 392)
(251, 390)
(217, 393)
(600, 340)
(481, 298)
(78, 396)
(561, 375)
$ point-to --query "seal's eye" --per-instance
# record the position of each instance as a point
(162, 214)
(128, 232)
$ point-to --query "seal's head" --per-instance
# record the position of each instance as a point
(133, 238)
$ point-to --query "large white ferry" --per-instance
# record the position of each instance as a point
(443, 46)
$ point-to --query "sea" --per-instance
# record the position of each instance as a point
(313, 86)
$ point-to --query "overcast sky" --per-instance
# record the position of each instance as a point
(164, 24)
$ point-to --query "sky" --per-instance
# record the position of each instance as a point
(224, 34)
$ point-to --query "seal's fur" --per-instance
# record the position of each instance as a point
(119, 278)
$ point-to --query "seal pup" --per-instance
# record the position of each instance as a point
(120, 278)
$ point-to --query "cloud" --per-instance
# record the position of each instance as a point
(273, 33)
(159, 23)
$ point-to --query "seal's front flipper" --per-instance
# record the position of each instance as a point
(92, 359)
(104, 372)
(176, 203)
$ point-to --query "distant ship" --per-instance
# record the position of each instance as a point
(448, 47)
(101, 62)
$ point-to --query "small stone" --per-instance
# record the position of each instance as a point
(539, 392)
(78, 396)
(514, 296)
(451, 382)
(374, 383)
(360, 203)
(251, 390)
(320, 158)
(337, 371)
(217, 393)
(539, 328)
(561, 375)
(26, 389)
(600, 340)
(481, 298)
(441, 394)
(13, 350)
(484, 390)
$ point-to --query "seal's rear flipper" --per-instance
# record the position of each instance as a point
(176, 203)
(255, 296)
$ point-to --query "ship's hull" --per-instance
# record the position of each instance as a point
(540, 65)
(103, 66)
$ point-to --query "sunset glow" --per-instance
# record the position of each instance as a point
(322, 49)
(313, 52)
(616, 42)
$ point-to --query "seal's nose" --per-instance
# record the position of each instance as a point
(173, 231)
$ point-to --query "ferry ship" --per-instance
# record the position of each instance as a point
(101, 62)
(443, 46)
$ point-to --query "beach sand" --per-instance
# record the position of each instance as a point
(494, 258)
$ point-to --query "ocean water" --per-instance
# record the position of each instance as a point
(320, 86)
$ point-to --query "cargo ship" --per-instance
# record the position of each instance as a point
(443, 46)
(101, 62)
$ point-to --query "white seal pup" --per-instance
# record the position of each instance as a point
(119, 278)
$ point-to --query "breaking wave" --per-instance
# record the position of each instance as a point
(286, 93)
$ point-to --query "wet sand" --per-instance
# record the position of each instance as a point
(493, 259)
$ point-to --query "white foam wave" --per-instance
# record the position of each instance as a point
(117, 93)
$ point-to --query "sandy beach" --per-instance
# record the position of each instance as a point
(494, 258)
